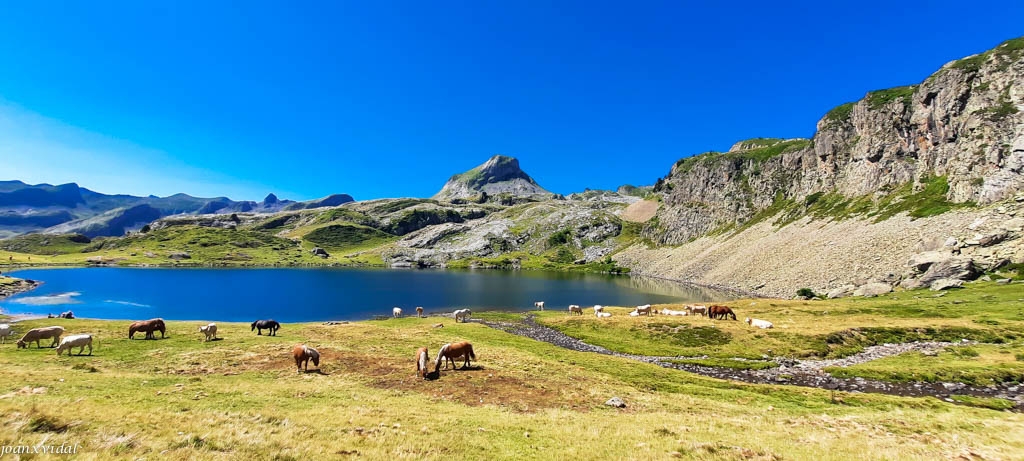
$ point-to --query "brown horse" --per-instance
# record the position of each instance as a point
(422, 357)
(452, 351)
(721, 312)
(147, 327)
(303, 354)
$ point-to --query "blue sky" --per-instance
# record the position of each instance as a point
(387, 99)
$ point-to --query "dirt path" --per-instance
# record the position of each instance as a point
(807, 373)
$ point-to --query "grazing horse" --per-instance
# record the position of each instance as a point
(210, 331)
(422, 356)
(575, 309)
(261, 325)
(396, 312)
(452, 351)
(694, 310)
(462, 314)
(721, 312)
(37, 334)
(303, 354)
(539, 305)
(5, 331)
(147, 327)
(419, 311)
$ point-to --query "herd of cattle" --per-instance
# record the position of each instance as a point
(303, 354)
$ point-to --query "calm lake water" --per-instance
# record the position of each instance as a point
(306, 295)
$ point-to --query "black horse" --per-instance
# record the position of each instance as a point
(261, 325)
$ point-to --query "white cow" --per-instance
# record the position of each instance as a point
(598, 308)
(79, 341)
(762, 324)
(5, 331)
(462, 314)
(396, 312)
(209, 330)
(603, 314)
(539, 305)
(643, 310)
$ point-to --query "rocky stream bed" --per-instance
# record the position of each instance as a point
(795, 372)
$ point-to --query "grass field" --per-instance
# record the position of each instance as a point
(986, 312)
(182, 398)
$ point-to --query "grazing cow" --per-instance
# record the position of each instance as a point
(762, 324)
(598, 308)
(209, 330)
(5, 331)
(422, 356)
(37, 334)
(419, 311)
(462, 314)
(696, 310)
(539, 305)
(148, 327)
(396, 312)
(451, 352)
(721, 312)
(261, 325)
(574, 309)
(303, 354)
(79, 341)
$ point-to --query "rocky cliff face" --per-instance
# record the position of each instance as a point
(498, 175)
(956, 138)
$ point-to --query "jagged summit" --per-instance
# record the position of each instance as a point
(499, 174)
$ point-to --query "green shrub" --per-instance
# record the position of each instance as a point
(806, 293)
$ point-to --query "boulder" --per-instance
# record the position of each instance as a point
(178, 255)
(992, 239)
(958, 268)
(615, 402)
(911, 284)
(841, 292)
(922, 261)
(945, 284)
(872, 289)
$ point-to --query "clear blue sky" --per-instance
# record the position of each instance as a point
(381, 99)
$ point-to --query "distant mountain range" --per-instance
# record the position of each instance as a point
(69, 208)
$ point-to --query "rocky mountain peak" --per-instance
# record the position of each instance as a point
(499, 174)
(270, 199)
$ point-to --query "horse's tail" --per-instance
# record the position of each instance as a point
(471, 354)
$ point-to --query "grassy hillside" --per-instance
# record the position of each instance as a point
(241, 397)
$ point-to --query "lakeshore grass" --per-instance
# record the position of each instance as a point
(182, 398)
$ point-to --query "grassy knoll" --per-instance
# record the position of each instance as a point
(984, 312)
(974, 364)
(181, 398)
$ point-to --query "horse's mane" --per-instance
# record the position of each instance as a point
(440, 355)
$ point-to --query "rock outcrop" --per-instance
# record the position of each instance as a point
(957, 137)
(498, 175)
